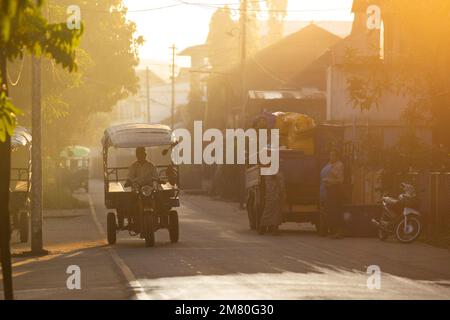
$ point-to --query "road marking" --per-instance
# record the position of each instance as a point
(16, 274)
(74, 254)
(31, 260)
(136, 286)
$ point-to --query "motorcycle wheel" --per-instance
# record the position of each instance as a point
(412, 232)
(149, 230)
(174, 231)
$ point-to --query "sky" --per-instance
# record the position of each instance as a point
(167, 22)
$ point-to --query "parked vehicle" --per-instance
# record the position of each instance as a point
(301, 174)
(20, 183)
(141, 209)
(401, 216)
(74, 167)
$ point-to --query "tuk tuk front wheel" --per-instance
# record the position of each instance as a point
(111, 228)
(149, 230)
(174, 231)
(24, 222)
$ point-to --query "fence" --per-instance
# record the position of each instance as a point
(434, 192)
(437, 205)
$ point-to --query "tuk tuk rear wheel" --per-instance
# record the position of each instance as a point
(174, 231)
(111, 228)
(24, 222)
(149, 230)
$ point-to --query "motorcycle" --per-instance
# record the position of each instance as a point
(401, 216)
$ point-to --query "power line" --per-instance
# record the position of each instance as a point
(16, 82)
(216, 6)
(221, 5)
(268, 72)
(155, 8)
(116, 10)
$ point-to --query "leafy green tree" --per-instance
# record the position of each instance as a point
(106, 58)
(23, 28)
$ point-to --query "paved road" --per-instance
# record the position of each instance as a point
(218, 257)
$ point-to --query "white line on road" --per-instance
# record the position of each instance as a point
(138, 290)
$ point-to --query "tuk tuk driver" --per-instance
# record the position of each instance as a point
(142, 171)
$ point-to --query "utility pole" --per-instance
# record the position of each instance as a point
(36, 159)
(147, 76)
(173, 88)
(243, 34)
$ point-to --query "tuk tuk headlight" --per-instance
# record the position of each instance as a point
(147, 191)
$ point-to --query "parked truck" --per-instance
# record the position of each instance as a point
(301, 176)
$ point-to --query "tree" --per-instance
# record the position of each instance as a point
(23, 28)
(223, 47)
(107, 57)
(224, 33)
(277, 13)
(253, 27)
(415, 64)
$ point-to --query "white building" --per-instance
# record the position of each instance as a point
(135, 108)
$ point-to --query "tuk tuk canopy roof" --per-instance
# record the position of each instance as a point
(75, 152)
(20, 138)
(137, 135)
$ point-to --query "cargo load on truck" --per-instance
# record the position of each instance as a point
(296, 130)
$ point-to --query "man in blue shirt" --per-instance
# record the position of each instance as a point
(332, 179)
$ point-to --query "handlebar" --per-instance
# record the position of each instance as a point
(130, 183)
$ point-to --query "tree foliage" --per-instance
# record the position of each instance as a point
(8, 113)
(277, 14)
(24, 28)
(224, 38)
(416, 61)
(107, 57)
(223, 46)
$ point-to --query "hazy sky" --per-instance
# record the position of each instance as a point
(187, 25)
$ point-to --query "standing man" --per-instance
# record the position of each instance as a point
(332, 180)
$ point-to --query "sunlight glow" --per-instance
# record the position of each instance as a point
(187, 25)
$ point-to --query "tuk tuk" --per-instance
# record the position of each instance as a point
(74, 167)
(141, 209)
(20, 183)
